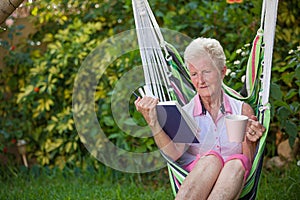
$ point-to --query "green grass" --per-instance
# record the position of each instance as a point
(43, 183)
(280, 184)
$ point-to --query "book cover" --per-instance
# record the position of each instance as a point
(176, 123)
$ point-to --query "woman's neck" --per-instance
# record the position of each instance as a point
(212, 104)
(213, 101)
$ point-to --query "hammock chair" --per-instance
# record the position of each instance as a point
(167, 78)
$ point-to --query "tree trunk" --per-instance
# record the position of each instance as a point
(7, 7)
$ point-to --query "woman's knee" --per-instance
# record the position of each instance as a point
(215, 158)
(235, 167)
(210, 162)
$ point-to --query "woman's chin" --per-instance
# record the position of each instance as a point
(204, 94)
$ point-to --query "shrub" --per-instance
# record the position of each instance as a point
(39, 75)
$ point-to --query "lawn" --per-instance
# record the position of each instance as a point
(43, 183)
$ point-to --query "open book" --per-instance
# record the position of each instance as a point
(176, 123)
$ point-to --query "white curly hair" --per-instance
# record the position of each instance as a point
(205, 47)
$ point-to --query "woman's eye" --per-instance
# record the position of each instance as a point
(206, 71)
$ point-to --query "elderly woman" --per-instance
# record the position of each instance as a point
(218, 167)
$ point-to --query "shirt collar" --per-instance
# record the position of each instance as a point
(199, 108)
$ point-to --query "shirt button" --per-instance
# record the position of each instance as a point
(218, 146)
(217, 138)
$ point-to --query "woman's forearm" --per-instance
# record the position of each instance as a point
(166, 145)
(249, 149)
(147, 106)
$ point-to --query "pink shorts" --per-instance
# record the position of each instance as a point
(244, 159)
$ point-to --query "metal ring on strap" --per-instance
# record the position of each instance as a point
(264, 107)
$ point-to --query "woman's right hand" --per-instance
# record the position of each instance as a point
(147, 107)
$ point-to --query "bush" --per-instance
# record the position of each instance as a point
(36, 102)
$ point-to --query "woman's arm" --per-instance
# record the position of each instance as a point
(254, 131)
(147, 107)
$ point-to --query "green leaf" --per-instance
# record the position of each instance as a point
(141, 149)
(130, 122)
(291, 94)
(5, 134)
(68, 147)
(19, 134)
(295, 106)
(108, 121)
(115, 135)
(283, 113)
(287, 78)
(275, 91)
(297, 73)
(34, 11)
(291, 129)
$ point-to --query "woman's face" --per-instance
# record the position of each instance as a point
(206, 78)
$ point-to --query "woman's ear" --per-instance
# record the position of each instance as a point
(223, 72)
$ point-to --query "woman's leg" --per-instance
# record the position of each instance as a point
(230, 181)
(200, 181)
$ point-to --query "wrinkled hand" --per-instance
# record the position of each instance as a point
(254, 129)
(147, 107)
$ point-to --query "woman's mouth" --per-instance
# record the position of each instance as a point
(203, 86)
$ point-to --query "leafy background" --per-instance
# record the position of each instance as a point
(38, 72)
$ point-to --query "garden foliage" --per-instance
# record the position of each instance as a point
(38, 77)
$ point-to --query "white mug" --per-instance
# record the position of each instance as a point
(236, 127)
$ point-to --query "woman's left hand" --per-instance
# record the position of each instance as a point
(254, 129)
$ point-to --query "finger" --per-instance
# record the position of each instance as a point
(136, 103)
(249, 133)
(253, 117)
(150, 101)
(255, 138)
(256, 123)
(147, 102)
(258, 128)
(254, 135)
(155, 101)
(249, 130)
(137, 100)
(252, 138)
(254, 128)
(252, 121)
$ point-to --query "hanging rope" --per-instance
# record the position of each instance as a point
(152, 45)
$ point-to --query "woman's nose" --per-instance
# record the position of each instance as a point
(201, 78)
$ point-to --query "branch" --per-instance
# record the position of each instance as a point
(7, 7)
